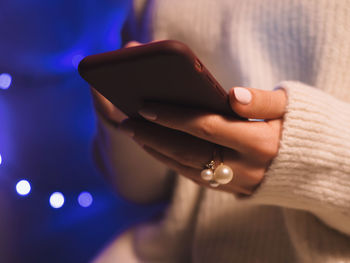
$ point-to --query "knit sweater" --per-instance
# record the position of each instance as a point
(301, 210)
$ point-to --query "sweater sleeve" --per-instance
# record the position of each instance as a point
(312, 169)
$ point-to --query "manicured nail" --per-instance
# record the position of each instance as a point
(243, 95)
(127, 130)
(148, 114)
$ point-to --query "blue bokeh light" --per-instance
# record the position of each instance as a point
(5, 80)
(56, 200)
(85, 199)
(88, 27)
(23, 187)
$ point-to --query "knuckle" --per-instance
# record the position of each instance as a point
(266, 146)
(206, 126)
(268, 151)
(272, 147)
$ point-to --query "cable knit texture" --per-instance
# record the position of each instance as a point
(301, 211)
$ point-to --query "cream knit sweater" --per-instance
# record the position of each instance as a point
(301, 211)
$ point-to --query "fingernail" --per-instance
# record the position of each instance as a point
(148, 114)
(127, 130)
(242, 95)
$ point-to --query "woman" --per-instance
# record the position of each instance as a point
(289, 197)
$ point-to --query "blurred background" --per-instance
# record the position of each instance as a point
(54, 205)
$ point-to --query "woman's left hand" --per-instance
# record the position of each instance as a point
(184, 139)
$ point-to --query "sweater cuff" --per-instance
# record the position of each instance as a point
(312, 169)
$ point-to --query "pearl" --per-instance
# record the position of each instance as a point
(223, 174)
(213, 183)
(207, 174)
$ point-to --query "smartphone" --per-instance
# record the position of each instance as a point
(164, 71)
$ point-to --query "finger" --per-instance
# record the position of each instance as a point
(179, 146)
(106, 108)
(243, 136)
(194, 174)
(189, 172)
(191, 152)
(258, 104)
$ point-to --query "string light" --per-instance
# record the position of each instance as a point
(23, 187)
(56, 200)
(5, 81)
(85, 199)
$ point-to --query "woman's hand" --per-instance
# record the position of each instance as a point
(184, 138)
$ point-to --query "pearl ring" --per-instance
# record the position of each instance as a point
(217, 175)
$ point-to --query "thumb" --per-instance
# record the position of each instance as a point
(258, 104)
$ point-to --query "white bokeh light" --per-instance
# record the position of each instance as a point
(23, 187)
(56, 200)
(5, 81)
(0, 159)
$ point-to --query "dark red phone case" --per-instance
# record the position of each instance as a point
(165, 71)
